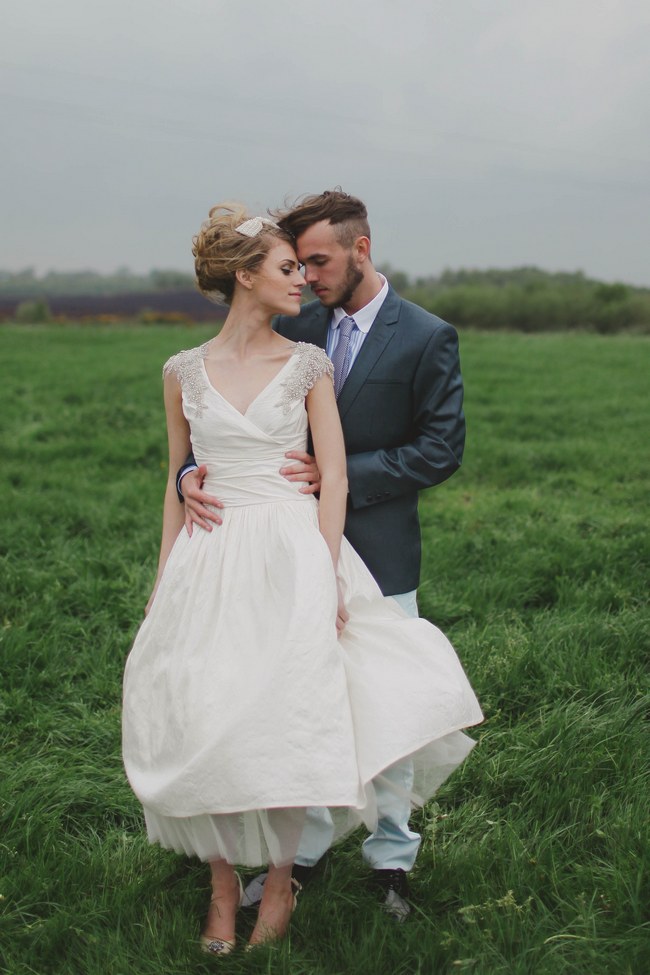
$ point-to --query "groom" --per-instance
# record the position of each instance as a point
(399, 390)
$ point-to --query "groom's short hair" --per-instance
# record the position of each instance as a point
(347, 214)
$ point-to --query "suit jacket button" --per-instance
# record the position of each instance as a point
(369, 497)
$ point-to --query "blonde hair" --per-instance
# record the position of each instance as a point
(220, 250)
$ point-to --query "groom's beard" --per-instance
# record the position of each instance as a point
(352, 280)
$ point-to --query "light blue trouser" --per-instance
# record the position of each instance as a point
(393, 845)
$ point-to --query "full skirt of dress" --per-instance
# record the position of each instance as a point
(241, 703)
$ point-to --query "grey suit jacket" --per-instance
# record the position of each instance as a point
(401, 410)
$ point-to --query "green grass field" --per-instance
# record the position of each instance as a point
(535, 858)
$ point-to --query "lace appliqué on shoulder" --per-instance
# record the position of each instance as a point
(186, 366)
(312, 364)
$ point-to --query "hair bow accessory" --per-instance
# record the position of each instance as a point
(254, 226)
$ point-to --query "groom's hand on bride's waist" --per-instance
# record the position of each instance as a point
(303, 469)
(197, 500)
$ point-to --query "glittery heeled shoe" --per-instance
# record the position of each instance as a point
(217, 946)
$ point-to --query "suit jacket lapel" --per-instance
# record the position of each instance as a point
(375, 342)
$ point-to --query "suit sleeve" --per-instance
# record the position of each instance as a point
(435, 449)
(189, 465)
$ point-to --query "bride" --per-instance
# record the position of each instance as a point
(270, 675)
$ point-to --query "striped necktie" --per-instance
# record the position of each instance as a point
(341, 354)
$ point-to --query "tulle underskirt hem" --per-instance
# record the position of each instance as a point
(257, 837)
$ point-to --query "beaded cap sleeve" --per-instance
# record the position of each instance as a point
(312, 364)
(186, 366)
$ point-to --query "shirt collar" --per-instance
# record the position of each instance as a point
(366, 315)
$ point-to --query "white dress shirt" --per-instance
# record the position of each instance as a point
(363, 318)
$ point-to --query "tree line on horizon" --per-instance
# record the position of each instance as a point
(523, 298)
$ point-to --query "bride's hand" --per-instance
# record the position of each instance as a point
(342, 615)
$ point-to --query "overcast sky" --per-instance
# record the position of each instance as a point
(481, 133)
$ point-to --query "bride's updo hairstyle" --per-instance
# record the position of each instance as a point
(220, 250)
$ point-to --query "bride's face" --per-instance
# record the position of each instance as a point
(278, 283)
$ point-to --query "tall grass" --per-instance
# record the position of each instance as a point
(535, 854)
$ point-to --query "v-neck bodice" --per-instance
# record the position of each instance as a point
(244, 451)
(268, 386)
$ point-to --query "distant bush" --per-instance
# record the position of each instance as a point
(529, 300)
(33, 312)
(29, 284)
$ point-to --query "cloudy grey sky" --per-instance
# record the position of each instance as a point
(479, 132)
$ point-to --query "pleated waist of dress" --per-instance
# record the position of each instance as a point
(255, 488)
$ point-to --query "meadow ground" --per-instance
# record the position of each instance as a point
(535, 854)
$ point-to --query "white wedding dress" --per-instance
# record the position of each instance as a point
(241, 706)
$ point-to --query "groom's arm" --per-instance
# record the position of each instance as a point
(189, 464)
(436, 448)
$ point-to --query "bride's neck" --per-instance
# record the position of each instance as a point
(246, 324)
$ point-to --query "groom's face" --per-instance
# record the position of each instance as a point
(330, 269)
